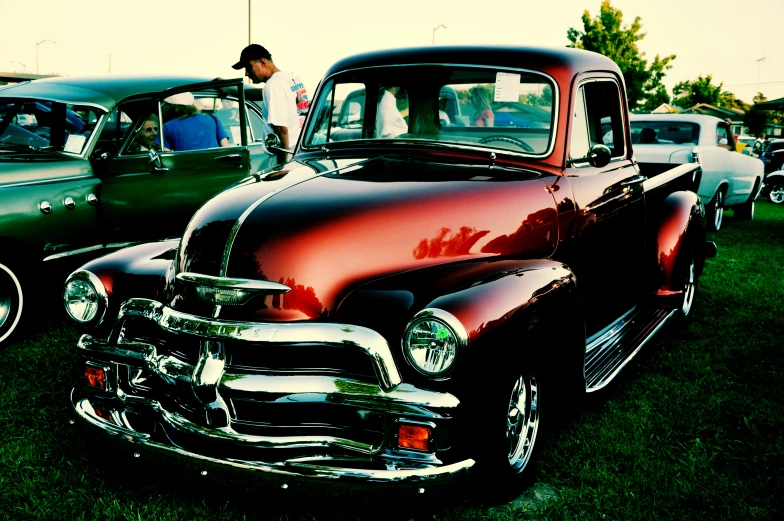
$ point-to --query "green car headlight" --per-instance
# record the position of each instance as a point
(85, 298)
(432, 341)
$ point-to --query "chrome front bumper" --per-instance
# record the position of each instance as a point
(145, 387)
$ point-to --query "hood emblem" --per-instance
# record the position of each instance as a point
(225, 291)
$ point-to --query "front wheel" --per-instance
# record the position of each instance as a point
(689, 287)
(716, 211)
(11, 301)
(522, 422)
(511, 415)
(776, 194)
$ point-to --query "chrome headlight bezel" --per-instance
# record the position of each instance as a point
(100, 298)
(453, 329)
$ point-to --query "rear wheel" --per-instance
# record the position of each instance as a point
(689, 288)
(716, 211)
(11, 301)
(776, 194)
(745, 211)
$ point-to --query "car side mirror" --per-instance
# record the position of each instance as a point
(272, 142)
(156, 164)
(598, 156)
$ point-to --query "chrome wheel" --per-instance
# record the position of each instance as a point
(10, 301)
(717, 211)
(522, 422)
(776, 194)
(688, 290)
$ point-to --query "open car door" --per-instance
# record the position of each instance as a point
(151, 188)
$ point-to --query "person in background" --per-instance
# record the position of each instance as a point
(279, 106)
(483, 115)
(187, 129)
(389, 121)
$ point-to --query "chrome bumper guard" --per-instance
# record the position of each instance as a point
(113, 411)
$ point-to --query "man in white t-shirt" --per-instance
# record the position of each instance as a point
(389, 121)
(279, 107)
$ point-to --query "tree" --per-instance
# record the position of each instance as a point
(606, 35)
(702, 90)
(756, 121)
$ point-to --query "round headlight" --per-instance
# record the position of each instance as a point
(84, 297)
(432, 340)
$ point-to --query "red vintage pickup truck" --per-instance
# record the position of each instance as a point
(404, 302)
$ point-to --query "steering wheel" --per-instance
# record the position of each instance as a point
(506, 139)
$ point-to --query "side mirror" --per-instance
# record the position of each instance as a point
(156, 164)
(598, 156)
(272, 142)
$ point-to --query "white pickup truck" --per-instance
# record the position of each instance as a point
(729, 179)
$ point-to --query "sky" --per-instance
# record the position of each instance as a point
(723, 38)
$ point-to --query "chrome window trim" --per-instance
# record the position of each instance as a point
(624, 117)
(555, 107)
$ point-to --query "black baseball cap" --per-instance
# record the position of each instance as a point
(253, 51)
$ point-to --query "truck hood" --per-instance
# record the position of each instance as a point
(324, 229)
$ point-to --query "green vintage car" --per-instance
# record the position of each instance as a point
(83, 169)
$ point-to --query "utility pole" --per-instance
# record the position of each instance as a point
(759, 62)
(436, 29)
(110, 63)
(36, 53)
(248, 22)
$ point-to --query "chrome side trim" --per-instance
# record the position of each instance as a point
(314, 467)
(265, 286)
(48, 181)
(668, 176)
(88, 249)
(343, 335)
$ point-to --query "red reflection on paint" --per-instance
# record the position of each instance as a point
(299, 298)
(447, 244)
(536, 229)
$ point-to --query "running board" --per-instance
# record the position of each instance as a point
(614, 347)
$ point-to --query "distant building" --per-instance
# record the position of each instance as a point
(666, 108)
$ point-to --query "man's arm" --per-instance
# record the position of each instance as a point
(283, 135)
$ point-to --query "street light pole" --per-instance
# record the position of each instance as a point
(437, 28)
(248, 22)
(22, 64)
(36, 53)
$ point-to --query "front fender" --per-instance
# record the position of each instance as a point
(138, 271)
(680, 232)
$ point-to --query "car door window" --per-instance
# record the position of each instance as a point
(257, 125)
(199, 121)
(579, 144)
(604, 116)
(126, 125)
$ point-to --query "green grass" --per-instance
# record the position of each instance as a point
(694, 429)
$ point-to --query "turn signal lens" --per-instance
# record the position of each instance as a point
(417, 437)
(96, 377)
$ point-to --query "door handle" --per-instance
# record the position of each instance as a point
(634, 181)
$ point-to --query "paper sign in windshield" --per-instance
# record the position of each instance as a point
(74, 144)
(507, 86)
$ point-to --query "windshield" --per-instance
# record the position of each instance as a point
(480, 107)
(62, 127)
(665, 133)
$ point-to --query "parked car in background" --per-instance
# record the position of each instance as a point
(729, 179)
(75, 178)
(773, 155)
(396, 310)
